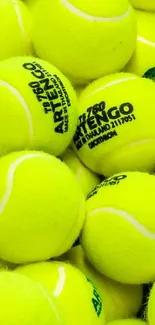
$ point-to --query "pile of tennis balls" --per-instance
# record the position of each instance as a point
(77, 162)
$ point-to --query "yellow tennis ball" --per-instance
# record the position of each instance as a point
(41, 207)
(77, 297)
(38, 106)
(119, 300)
(113, 125)
(131, 321)
(144, 4)
(91, 38)
(118, 235)
(15, 29)
(26, 302)
(142, 62)
(86, 178)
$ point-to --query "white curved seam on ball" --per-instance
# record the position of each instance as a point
(79, 174)
(50, 302)
(19, 18)
(82, 14)
(10, 177)
(61, 282)
(110, 84)
(17, 94)
(143, 40)
(128, 217)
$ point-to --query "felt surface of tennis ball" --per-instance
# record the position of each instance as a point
(76, 295)
(38, 106)
(26, 302)
(41, 207)
(144, 4)
(116, 122)
(118, 234)
(15, 29)
(142, 62)
(119, 300)
(95, 39)
(86, 178)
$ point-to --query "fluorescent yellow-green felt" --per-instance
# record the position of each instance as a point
(119, 300)
(76, 295)
(30, 3)
(89, 39)
(15, 29)
(42, 207)
(142, 62)
(144, 4)
(115, 129)
(119, 232)
(26, 302)
(38, 106)
(86, 178)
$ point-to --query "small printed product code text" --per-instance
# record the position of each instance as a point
(51, 93)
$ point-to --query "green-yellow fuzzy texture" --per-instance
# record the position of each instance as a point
(86, 178)
(76, 295)
(15, 29)
(119, 300)
(38, 106)
(143, 4)
(97, 38)
(26, 302)
(142, 62)
(118, 233)
(42, 207)
(113, 125)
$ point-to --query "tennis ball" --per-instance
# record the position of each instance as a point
(118, 235)
(26, 302)
(131, 321)
(151, 306)
(91, 38)
(77, 297)
(144, 4)
(86, 178)
(142, 62)
(38, 107)
(15, 29)
(41, 207)
(113, 125)
(119, 300)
